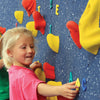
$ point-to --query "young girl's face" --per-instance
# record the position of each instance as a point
(23, 52)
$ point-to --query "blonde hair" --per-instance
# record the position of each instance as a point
(9, 39)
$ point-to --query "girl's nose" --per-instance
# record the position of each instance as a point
(31, 50)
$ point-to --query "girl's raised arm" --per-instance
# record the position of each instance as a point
(67, 90)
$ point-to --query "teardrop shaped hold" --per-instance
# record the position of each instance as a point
(74, 32)
(53, 42)
(19, 16)
(31, 26)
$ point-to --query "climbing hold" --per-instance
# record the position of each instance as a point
(16, 24)
(50, 31)
(89, 27)
(70, 77)
(19, 16)
(30, 25)
(62, 98)
(38, 71)
(2, 30)
(40, 74)
(83, 84)
(49, 71)
(53, 42)
(57, 9)
(51, 4)
(77, 83)
(53, 83)
(39, 8)
(0, 34)
(29, 6)
(74, 32)
(40, 22)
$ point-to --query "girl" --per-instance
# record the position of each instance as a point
(18, 52)
(4, 78)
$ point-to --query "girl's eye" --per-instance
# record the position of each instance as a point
(31, 46)
(23, 47)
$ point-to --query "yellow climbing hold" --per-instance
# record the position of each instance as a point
(54, 84)
(39, 8)
(77, 83)
(30, 25)
(56, 12)
(40, 74)
(53, 42)
(89, 28)
(19, 16)
(0, 35)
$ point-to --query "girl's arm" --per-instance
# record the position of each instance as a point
(67, 90)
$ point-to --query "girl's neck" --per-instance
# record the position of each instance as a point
(26, 66)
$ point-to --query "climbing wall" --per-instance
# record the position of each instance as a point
(66, 57)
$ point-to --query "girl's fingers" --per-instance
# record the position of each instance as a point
(71, 94)
(71, 87)
(72, 83)
(35, 65)
(72, 91)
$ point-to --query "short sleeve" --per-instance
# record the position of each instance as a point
(29, 87)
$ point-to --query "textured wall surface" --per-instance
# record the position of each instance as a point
(70, 58)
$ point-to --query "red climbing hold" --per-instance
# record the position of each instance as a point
(40, 22)
(29, 5)
(49, 71)
(74, 32)
(2, 30)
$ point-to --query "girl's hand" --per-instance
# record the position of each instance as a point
(35, 65)
(1, 63)
(68, 90)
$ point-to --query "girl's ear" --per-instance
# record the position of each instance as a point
(9, 53)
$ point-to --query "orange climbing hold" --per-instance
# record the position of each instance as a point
(2, 30)
(29, 5)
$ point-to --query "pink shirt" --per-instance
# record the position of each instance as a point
(23, 84)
